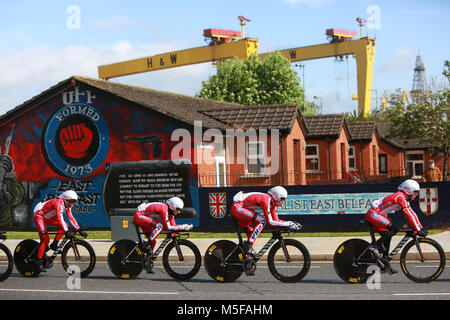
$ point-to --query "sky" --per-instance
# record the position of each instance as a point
(47, 41)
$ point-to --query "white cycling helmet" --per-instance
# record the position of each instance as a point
(175, 203)
(409, 187)
(69, 195)
(278, 193)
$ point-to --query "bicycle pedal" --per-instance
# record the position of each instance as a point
(249, 266)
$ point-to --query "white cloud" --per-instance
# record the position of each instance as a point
(312, 3)
(401, 60)
(113, 23)
(29, 72)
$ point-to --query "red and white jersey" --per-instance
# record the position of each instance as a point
(159, 211)
(395, 202)
(260, 201)
(53, 210)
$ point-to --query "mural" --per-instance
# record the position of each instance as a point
(79, 139)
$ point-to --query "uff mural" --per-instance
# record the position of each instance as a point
(77, 137)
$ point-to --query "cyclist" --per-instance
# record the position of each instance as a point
(153, 217)
(244, 209)
(51, 213)
(377, 217)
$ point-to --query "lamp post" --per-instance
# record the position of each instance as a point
(319, 98)
(302, 66)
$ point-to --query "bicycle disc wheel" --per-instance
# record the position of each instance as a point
(24, 260)
(125, 259)
(433, 260)
(182, 264)
(223, 261)
(290, 265)
(6, 262)
(345, 264)
(79, 258)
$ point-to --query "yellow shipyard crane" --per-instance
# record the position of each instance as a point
(224, 44)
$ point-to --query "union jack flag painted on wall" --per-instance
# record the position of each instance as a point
(218, 204)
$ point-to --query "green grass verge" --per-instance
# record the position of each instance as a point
(18, 235)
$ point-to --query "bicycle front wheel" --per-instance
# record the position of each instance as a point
(125, 259)
(223, 261)
(182, 261)
(352, 259)
(25, 256)
(422, 270)
(78, 257)
(289, 263)
(6, 262)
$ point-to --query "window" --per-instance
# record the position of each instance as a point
(414, 164)
(255, 155)
(382, 163)
(351, 158)
(312, 157)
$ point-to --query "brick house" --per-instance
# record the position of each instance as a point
(109, 141)
(364, 150)
(406, 157)
(327, 143)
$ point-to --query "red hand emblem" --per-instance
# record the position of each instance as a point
(75, 140)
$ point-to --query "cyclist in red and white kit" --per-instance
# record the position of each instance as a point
(155, 217)
(50, 213)
(377, 217)
(244, 211)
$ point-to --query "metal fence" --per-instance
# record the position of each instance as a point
(298, 178)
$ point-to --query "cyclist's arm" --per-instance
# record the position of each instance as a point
(270, 212)
(409, 213)
(72, 219)
(169, 222)
(59, 215)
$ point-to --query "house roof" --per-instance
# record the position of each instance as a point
(213, 114)
(406, 144)
(258, 117)
(327, 125)
(362, 130)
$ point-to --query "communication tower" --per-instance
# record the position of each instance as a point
(419, 81)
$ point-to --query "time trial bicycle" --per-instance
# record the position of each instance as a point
(288, 259)
(6, 259)
(181, 258)
(74, 252)
(421, 260)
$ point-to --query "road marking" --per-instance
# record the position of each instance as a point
(423, 294)
(86, 291)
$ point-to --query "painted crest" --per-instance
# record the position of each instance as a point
(428, 200)
(76, 140)
(218, 204)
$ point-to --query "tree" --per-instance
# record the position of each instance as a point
(427, 119)
(255, 82)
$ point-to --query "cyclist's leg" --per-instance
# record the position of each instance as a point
(146, 224)
(157, 228)
(43, 235)
(59, 234)
(381, 225)
(260, 223)
(245, 218)
(386, 236)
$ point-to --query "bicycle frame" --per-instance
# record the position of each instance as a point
(276, 235)
(57, 251)
(409, 234)
(171, 236)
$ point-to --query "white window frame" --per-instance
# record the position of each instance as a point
(350, 157)
(317, 157)
(414, 162)
(261, 156)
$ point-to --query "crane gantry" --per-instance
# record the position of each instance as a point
(224, 44)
